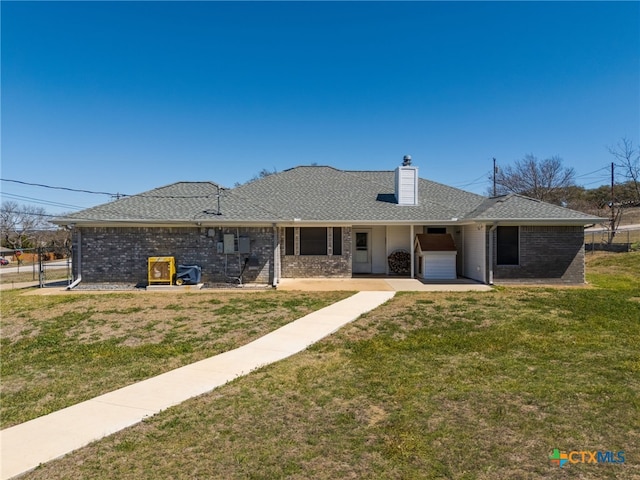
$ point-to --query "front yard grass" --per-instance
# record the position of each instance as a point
(59, 350)
(429, 385)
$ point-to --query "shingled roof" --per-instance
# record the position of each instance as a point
(176, 203)
(518, 208)
(319, 194)
(328, 194)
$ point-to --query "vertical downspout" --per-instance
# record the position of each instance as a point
(491, 230)
(79, 260)
(412, 250)
(276, 256)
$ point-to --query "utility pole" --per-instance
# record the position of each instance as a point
(495, 170)
(613, 213)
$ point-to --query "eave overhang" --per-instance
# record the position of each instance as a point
(541, 221)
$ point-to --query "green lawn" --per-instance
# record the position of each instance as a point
(58, 350)
(430, 385)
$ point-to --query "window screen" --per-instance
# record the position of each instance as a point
(337, 240)
(313, 241)
(508, 246)
(289, 247)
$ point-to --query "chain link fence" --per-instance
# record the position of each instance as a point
(624, 240)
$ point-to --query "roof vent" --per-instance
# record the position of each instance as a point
(406, 161)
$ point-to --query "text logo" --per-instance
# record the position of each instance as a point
(560, 459)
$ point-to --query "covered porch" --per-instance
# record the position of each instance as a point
(362, 283)
(376, 248)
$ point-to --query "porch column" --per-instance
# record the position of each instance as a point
(386, 246)
(412, 251)
(491, 243)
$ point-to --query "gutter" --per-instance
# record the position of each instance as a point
(79, 259)
(491, 230)
(579, 222)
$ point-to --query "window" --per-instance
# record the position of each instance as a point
(337, 240)
(508, 245)
(313, 241)
(289, 236)
(436, 229)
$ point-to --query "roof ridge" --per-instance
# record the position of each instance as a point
(369, 171)
(307, 166)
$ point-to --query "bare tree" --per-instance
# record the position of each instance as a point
(21, 224)
(545, 180)
(265, 172)
(627, 157)
(57, 242)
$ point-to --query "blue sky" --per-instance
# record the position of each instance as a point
(122, 97)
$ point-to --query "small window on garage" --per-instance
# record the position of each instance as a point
(289, 236)
(337, 240)
(508, 245)
(313, 241)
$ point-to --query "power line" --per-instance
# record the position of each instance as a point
(40, 201)
(591, 173)
(481, 179)
(34, 214)
(117, 196)
(58, 188)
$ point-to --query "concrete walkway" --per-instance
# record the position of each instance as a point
(358, 284)
(25, 446)
(396, 284)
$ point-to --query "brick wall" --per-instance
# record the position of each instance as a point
(547, 254)
(306, 266)
(119, 255)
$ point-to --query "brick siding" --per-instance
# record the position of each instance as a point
(119, 255)
(308, 266)
(552, 254)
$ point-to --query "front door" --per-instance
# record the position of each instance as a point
(362, 251)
